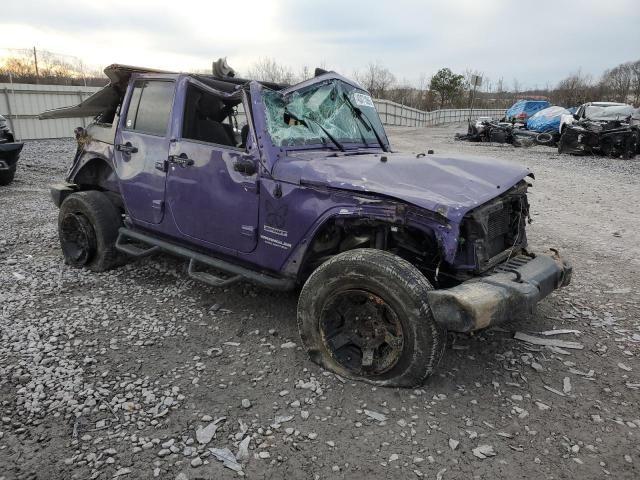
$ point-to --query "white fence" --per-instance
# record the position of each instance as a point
(21, 103)
(392, 113)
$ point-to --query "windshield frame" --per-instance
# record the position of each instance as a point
(350, 146)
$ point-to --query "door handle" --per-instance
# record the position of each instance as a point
(181, 160)
(126, 148)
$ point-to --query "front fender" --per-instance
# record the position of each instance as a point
(380, 210)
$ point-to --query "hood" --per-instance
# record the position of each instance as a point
(450, 186)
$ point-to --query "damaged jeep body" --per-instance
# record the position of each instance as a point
(290, 185)
(601, 128)
(9, 153)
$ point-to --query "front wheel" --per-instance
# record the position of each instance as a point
(364, 314)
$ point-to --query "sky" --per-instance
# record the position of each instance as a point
(538, 43)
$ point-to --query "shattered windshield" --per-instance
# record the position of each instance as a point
(332, 113)
(612, 112)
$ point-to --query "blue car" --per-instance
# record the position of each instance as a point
(523, 109)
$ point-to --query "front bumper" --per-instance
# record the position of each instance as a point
(9, 153)
(511, 291)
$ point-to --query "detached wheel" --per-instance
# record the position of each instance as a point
(7, 176)
(364, 314)
(88, 226)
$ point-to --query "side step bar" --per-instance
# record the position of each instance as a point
(237, 272)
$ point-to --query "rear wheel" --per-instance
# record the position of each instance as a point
(7, 176)
(88, 226)
(364, 314)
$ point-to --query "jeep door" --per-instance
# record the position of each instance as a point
(208, 198)
(142, 146)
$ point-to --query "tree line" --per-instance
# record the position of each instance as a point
(445, 89)
(42, 66)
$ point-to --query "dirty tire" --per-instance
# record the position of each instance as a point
(561, 144)
(88, 224)
(393, 285)
(7, 176)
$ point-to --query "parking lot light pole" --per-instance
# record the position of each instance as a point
(476, 81)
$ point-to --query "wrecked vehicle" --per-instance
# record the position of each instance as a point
(596, 111)
(547, 120)
(601, 128)
(520, 111)
(9, 153)
(546, 123)
(298, 185)
(487, 130)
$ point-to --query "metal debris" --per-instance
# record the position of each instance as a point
(553, 390)
(379, 417)
(205, 434)
(550, 342)
(624, 367)
(560, 331)
(588, 374)
(227, 458)
(243, 448)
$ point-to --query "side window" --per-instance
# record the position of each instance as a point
(212, 118)
(150, 106)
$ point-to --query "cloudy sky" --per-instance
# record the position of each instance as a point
(537, 42)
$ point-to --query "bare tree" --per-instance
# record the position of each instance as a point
(618, 81)
(575, 89)
(635, 82)
(376, 79)
(53, 68)
(268, 70)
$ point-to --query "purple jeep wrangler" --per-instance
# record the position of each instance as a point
(289, 186)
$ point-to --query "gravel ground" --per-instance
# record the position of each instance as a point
(142, 373)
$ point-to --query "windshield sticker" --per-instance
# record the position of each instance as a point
(363, 100)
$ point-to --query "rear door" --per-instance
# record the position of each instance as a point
(142, 146)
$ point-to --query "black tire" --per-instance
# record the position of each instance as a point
(7, 176)
(88, 226)
(561, 143)
(391, 294)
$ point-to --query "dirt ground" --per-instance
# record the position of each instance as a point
(110, 375)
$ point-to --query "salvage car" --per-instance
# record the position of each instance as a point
(520, 111)
(289, 186)
(601, 128)
(484, 129)
(9, 153)
(596, 111)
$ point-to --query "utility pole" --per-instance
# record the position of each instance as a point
(35, 60)
(476, 80)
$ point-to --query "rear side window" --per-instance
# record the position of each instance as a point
(150, 106)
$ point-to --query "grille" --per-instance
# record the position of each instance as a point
(498, 224)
